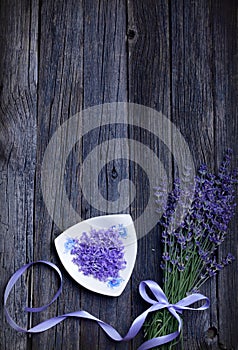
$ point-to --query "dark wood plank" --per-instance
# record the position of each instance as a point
(103, 65)
(18, 66)
(148, 85)
(193, 113)
(226, 131)
(105, 81)
(196, 56)
(59, 98)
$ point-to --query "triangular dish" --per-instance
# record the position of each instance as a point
(76, 245)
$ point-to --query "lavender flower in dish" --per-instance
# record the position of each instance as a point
(100, 254)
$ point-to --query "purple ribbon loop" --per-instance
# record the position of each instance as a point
(160, 302)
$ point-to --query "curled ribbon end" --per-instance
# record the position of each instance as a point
(160, 302)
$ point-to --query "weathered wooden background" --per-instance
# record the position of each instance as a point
(59, 57)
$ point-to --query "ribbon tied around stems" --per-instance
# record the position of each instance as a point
(160, 302)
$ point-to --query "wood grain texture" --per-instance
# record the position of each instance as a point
(60, 57)
(104, 73)
(60, 95)
(149, 85)
(193, 112)
(201, 87)
(18, 135)
(226, 131)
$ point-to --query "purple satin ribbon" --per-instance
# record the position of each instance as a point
(160, 302)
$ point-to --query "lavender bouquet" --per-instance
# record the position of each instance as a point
(190, 250)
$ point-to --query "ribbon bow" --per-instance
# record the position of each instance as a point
(160, 302)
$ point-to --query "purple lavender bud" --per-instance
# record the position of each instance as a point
(170, 243)
(203, 169)
(228, 259)
(180, 267)
(166, 256)
(174, 261)
(181, 240)
(211, 272)
(164, 234)
(189, 236)
(219, 267)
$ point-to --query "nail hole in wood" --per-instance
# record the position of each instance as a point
(114, 173)
(131, 34)
(212, 333)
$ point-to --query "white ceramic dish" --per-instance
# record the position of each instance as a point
(123, 224)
